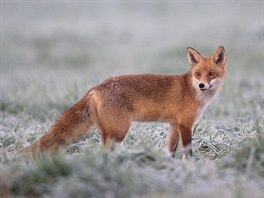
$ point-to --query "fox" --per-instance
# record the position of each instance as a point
(111, 106)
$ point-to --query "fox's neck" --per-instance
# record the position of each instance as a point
(188, 80)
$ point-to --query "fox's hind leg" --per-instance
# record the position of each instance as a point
(111, 135)
(113, 127)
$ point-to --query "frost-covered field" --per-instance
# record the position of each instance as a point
(53, 52)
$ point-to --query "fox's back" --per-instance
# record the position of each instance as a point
(147, 86)
(148, 96)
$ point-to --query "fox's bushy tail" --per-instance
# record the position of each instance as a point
(72, 124)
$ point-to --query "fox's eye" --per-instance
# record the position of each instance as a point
(211, 74)
(198, 74)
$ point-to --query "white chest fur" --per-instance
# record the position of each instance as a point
(204, 98)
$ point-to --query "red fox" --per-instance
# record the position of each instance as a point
(112, 105)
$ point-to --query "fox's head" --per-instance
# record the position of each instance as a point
(207, 73)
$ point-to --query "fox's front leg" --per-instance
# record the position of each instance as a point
(173, 139)
(186, 136)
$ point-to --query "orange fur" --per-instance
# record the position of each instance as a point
(112, 105)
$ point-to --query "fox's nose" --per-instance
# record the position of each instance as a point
(201, 85)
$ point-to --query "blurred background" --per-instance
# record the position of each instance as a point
(56, 50)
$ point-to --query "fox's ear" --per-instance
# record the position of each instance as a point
(193, 56)
(219, 56)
